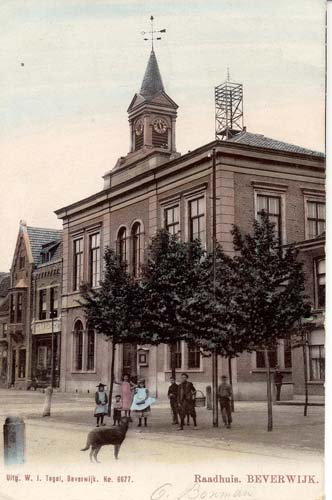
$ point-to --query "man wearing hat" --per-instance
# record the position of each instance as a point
(225, 394)
(186, 400)
(101, 402)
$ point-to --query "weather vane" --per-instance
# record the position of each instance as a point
(153, 34)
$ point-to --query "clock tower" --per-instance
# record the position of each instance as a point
(152, 116)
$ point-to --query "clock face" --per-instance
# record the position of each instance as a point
(139, 127)
(160, 125)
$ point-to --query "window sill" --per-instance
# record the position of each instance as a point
(272, 370)
(77, 372)
(186, 370)
(316, 382)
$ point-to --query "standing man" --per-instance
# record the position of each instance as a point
(225, 393)
(173, 399)
(186, 400)
(278, 376)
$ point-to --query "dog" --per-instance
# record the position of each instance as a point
(101, 437)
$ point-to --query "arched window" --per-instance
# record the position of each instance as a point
(137, 238)
(78, 346)
(122, 245)
(91, 337)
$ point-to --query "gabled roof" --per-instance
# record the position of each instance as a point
(152, 82)
(260, 141)
(40, 236)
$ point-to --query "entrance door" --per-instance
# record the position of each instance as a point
(13, 367)
(129, 361)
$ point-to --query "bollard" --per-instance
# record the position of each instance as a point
(208, 397)
(48, 402)
(14, 440)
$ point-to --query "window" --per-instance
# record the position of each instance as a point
(320, 277)
(42, 304)
(21, 363)
(19, 308)
(287, 353)
(4, 330)
(273, 358)
(177, 355)
(317, 362)
(194, 357)
(78, 264)
(91, 349)
(137, 236)
(271, 206)
(197, 219)
(42, 357)
(172, 219)
(12, 309)
(95, 259)
(22, 262)
(122, 245)
(316, 218)
(78, 346)
(54, 302)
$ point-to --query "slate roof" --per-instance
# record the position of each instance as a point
(261, 141)
(152, 82)
(38, 237)
(4, 284)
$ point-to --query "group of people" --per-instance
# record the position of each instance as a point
(136, 398)
(133, 397)
(182, 401)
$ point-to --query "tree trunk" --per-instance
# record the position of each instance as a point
(305, 368)
(110, 393)
(269, 391)
(173, 360)
(230, 375)
(48, 402)
(215, 416)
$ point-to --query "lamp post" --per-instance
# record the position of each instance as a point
(214, 244)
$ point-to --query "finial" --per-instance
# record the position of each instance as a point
(228, 77)
(152, 33)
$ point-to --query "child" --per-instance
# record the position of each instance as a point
(141, 403)
(117, 410)
(126, 394)
(101, 402)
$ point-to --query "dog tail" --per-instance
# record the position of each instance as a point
(87, 446)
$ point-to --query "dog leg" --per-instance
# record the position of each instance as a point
(116, 450)
(96, 453)
(91, 454)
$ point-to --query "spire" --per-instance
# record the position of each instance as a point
(152, 82)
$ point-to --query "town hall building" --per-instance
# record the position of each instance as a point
(154, 186)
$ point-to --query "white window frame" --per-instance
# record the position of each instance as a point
(280, 359)
(184, 360)
(84, 349)
(276, 192)
(187, 199)
(319, 198)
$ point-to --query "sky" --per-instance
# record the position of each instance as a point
(69, 69)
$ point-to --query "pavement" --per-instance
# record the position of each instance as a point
(291, 430)
(159, 462)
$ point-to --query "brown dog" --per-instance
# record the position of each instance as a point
(107, 435)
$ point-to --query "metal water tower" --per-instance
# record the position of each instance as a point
(228, 109)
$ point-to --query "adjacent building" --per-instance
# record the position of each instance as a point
(4, 319)
(154, 186)
(22, 306)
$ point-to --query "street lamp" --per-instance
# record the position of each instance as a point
(214, 244)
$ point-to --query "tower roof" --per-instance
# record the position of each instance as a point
(152, 82)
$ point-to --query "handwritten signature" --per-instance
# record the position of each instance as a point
(196, 492)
